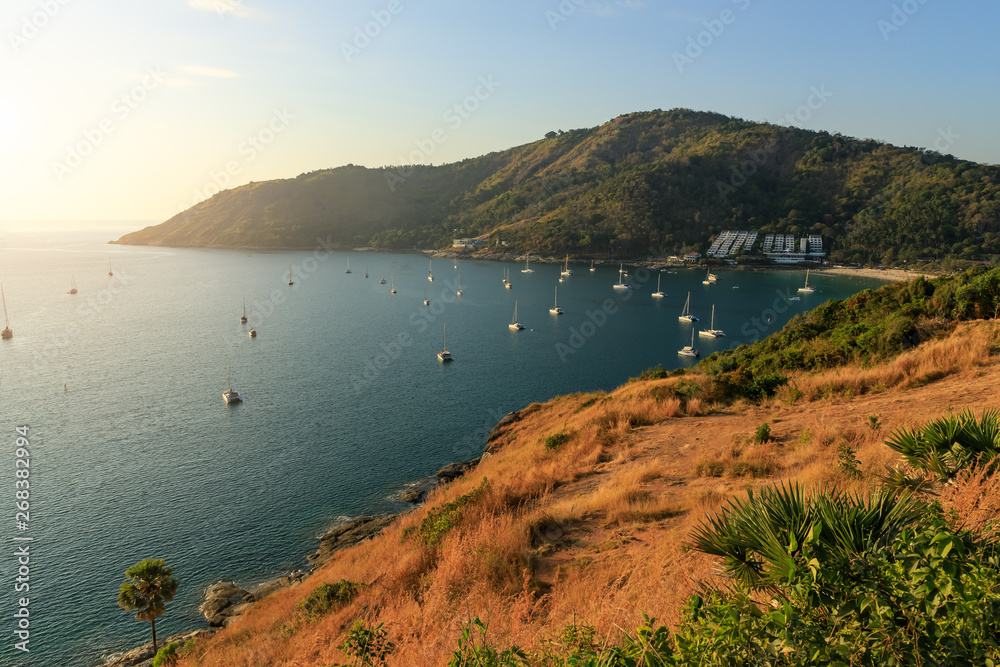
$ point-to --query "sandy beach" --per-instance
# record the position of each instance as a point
(889, 275)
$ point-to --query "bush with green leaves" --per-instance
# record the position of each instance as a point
(762, 434)
(441, 520)
(367, 646)
(945, 447)
(556, 440)
(328, 596)
(167, 656)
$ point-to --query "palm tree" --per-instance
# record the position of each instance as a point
(947, 446)
(150, 589)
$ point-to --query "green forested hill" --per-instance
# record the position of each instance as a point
(644, 183)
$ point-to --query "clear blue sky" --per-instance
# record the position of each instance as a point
(199, 77)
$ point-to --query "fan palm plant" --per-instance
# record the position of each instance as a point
(945, 447)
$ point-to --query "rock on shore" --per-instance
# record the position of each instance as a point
(143, 655)
(348, 534)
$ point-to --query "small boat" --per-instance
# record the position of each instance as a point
(348, 265)
(459, 291)
(231, 395)
(243, 318)
(707, 280)
(392, 290)
(555, 309)
(566, 271)
(527, 269)
(712, 278)
(427, 301)
(621, 284)
(592, 269)
(290, 283)
(689, 350)
(506, 279)
(686, 315)
(444, 354)
(807, 288)
(382, 282)
(791, 298)
(72, 289)
(514, 324)
(712, 332)
(7, 333)
(252, 332)
(430, 276)
(658, 294)
(366, 272)
(110, 272)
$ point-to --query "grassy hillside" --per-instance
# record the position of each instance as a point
(598, 508)
(644, 183)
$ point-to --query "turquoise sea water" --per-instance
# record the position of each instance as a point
(345, 401)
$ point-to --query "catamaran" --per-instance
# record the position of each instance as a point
(7, 333)
(566, 271)
(555, 309)
(231, 395)
(430, 276)
(689, 350)
(444, 354)
(72, 289)
(712, 332)
(243, 318)
(686, 315)
(621, 284)
(807, 288)
(514, 324)
(658, 294)
(527, 269)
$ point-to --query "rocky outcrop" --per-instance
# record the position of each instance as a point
(498, 436)
(413, 496)
(455, 470)
(143, 655)
(224, 601)
(348, 534)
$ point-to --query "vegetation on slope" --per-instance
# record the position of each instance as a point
(650, 183)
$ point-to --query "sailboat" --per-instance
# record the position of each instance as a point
(707, 280)
(366, 272)
(252, 332)
(110, 272)
(514, 324)
(506, 279)
(430, 276)
(348, 265)
(231, 395)
(621, 284)
(555, 309)
(689, 350)
(427, 301)
(382, 282)
(592, 269)
(392, 289)
(566, 271)
(712, 332)
(686, 315)
(7, 333)
(444, 354)
(658, 294)
(527, 269)
(290, 283)
(72, 289)
(807, 288)
(459, 292)
(243, 319)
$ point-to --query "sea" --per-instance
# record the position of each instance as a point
(132, 453)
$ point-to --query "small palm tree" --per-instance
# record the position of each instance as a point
(150, 588)
(944, 447)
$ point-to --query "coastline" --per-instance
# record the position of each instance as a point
(888, 275)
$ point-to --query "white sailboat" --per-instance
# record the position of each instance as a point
(514, 324)
(688, 350)
(72, 289)
(444, 354)
(566, 271)
(506, 279)
(807, 288)
(231, 395)
(686, 315)
(621, 284)
(110, 272)
(555, 309)
(366, 272)
(290, 283)
(392, 289)
(707, 280)
(348, 265)
(243, 318)
(427, 301)
(430, 276)
(527, 269)
(458, 292)
(592, 269)
(382, 282)
(712, 332)
(253, 332)
(658, 294)
(7, 333)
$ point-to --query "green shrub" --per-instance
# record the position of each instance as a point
(441, 520)
(762, 434)
(166, 656)
(874, 423)
(710, 468)
(848, 462)
(328, 596)
(368, 646)
(658, 372)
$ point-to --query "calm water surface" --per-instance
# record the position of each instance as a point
(135, 455)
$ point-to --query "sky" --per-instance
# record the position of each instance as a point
(129, 110)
